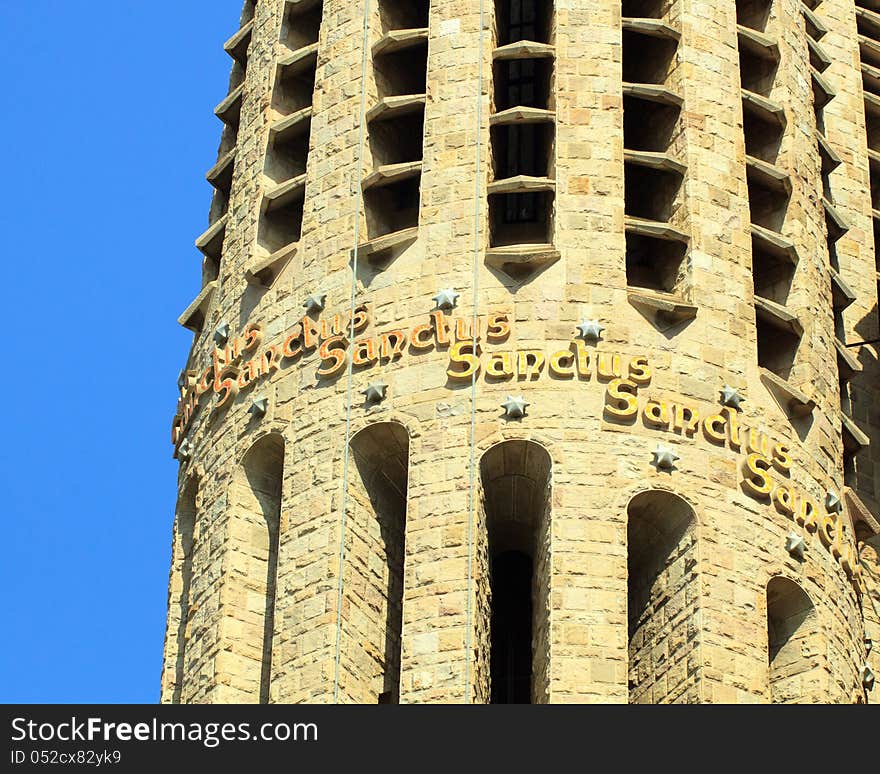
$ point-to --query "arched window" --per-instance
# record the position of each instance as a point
(662, 598)
(516, 490)
(179, 594)
(253, 566)
(794, 644)
(374, 580)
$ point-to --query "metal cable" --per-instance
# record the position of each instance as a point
(474, 335)
(350, 370)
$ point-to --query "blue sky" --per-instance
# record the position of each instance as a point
(107, 132)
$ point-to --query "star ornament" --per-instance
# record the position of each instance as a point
(375, 392)
(221, 335)
(259, 407)
(795, 545)
(664, 457)
(730, 397)
(832, 502)
(591, 330)
(515, 407)
(446, 298)
(315, 302)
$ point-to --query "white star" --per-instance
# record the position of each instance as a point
(795, 545)
(259, 406)
(447, 298)
(375, 392)
(591, 330)
(221, 335)
(664, 457)
(184, 451)
(867, 677)
(832, 502)
(315, 302)
(730, 397)
(514, 408)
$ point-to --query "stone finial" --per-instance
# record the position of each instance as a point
(221, 335)
(446, 298)
(375, 392)
(515, 407)
(730, 396)
(315, 302)
(795, 545)
(664, 457)
(591, 330)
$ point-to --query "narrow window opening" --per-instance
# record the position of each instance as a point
(794, 644)
(402, 72)
(753, 13)
(519, 20)
(654, 264)
(649, 126)
(644, 9)
(302, 28)
(523, 83)
(772, 276)
(294, 90)
(651, 193)
(777, 348)
(662, 600)
(511, 654)
(521, 218)
(757, 74)
(647, 59)
(404, 14)
(767, 206)
(391, 208)
(763, 139)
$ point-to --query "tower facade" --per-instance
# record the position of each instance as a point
(535, 357)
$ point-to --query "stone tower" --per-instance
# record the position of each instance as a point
(535, 357)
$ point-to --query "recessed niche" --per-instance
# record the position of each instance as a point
(522, 149)
(648, 125)
(302, 28)
(767, 206)
(282, 226)
(523, 83)
(523, 20)
(647, 59)
(398, 140)
(772, 276)
(753, 13)
(777, 348)
(521, 218)
(401, 72)
(644, 9)
(763, 139)
(654, 264)
(404, 14)
(288, 159)
(391, 208)
(651, 193)
(757, 73)
(294, 90)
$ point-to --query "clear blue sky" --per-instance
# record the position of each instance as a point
(107, 131)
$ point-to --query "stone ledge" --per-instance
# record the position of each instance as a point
(816, 28)
(835, 222)
(854, 438)
(847, 365)
(298, 61)
(193, 317)
(774, 243)
(211, 241)
(842, 295)
(389, 174)
(823, 91)
(220, 175)
(386, 243)
(521, 184)
(655, 229)
(394, 107)
(767, 175)
(830, 159)
(290, 126)
(524, 49)
(229, 110)
(763, 109)
(654, 160)
(820, 60)
(798, 403)
(655, 28)
(858, 511)
(667, 305)
(518, 260)
(757, 43)
(778, 316)
(237, 45)
(265, 271)
(400, 40)
(522, 115)
(284, 194)
(653, 92)
(871, 74)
